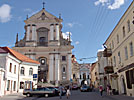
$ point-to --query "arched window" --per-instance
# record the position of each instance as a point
(22, 71)
(64, 69)
(128, 25)
(21, 85)
(74, 76)
(88, 76)
(31, 71)
(64, 72)
(80, 76)
(123, 29)
(84, 76)
(43, 61)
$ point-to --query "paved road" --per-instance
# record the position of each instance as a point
(76, 95)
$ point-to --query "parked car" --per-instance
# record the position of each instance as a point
(85, 88)
(55, 90)
(75, 87)
(39, 91)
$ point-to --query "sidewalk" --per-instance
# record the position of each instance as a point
(13, 95)
(115, 97)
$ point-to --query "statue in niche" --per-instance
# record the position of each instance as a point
(43, 16)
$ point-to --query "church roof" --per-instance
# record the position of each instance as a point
(19, 55)
(43, 12)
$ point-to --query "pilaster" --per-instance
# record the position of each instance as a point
(51, 67)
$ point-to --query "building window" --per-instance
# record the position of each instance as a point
(14, 86)
(117, 38)
(74, 76)
(10, 68)
(63, 58)
(64, 69)
(123, 29)
(131, 49)
(88, 76)
(119, 56)
(14, 69)
(128, 23)
(126, 53)
(130, 78)
(112, 44)
(31, 71)
(22, 71)
(8, 85)
(114, 61)
(42, 39)
(21, 85)
(80, 76)
(84, 76)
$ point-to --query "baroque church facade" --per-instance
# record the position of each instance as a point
(43, 41)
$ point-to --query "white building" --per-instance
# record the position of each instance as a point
(102, 62)
(10, 69)
(84, 73)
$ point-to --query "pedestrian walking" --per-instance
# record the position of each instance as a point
(61, 91)
(101, 90)
(68, 92)
(108, 90)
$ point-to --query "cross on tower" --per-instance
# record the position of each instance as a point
(43, 4)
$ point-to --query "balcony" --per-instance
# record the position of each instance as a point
(107, 52)
(109, 69)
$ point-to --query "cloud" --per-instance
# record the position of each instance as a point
(77, 42)
(72, 24)
(28, 10)
(116, 4)
(111, 4)
(103, 2)
(102, 49)
(5, 15)
(66, 35)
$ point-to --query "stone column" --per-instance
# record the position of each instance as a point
(69, 67)
(28, 33)
(33, 32)
(57, 67)
(52, 32)
(57, 32)
(51, 67)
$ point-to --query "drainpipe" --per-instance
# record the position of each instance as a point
(18, 76)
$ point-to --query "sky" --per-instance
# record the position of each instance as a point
(89, 21)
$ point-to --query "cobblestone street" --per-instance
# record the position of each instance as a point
(76, 95)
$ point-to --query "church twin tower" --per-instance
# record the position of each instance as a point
(44, 42)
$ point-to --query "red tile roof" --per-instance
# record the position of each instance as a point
(19, 55)
(2, 51)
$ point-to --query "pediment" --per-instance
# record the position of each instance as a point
(43, 15)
